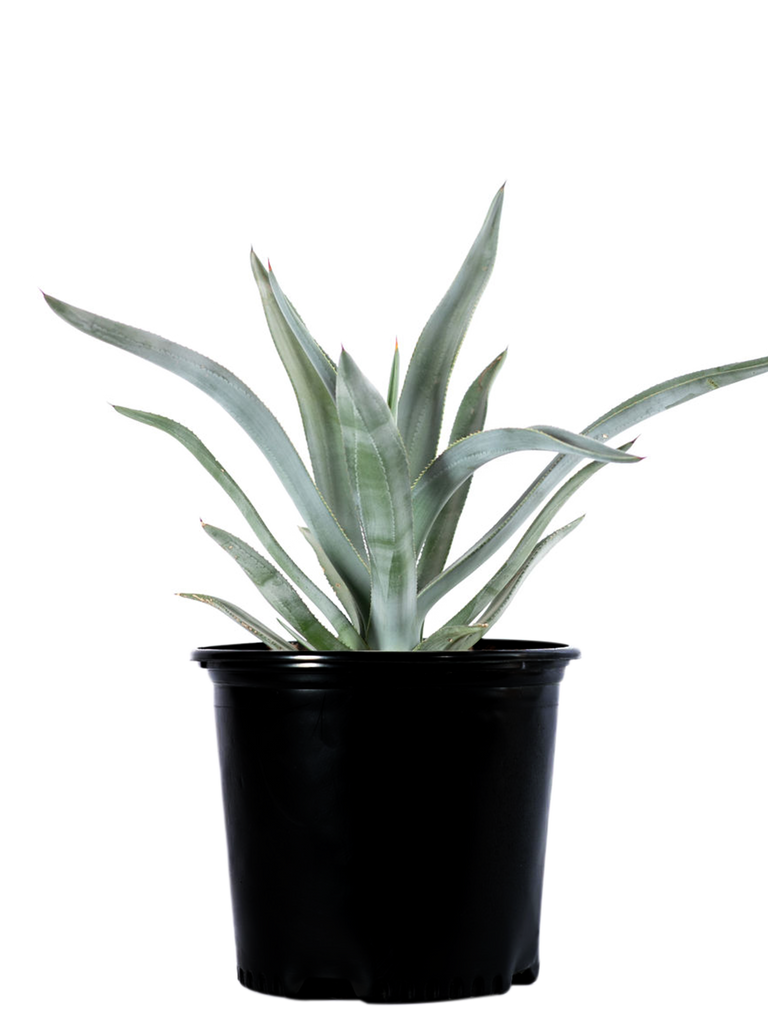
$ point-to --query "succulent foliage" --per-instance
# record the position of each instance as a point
(379, 504)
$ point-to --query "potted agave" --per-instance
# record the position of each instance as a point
(386, 785)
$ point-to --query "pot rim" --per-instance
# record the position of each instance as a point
(499, 653)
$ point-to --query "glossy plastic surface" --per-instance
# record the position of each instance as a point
(387, 825)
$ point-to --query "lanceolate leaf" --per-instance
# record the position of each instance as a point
(322, 362)
(500, 603)
(394, 382)
(495, 597)
(457, 463)
(622, 417)
(276, 589)
(422, 400)
(379, 472)
(469, 420)
(502, 580)
(264, 633)
(670, 393)
(337, 584)
(317, 407)
(193, 444)
(253, 416)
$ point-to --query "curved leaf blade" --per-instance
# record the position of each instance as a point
(457, 463)
(672, 392)
(273, 590)
(483, 549)
(318, 409)
(498, 593)
(634, 410)
(422, 400)
(337, 584)
(207, 460)
(252, 415)
(470, 419)
(322, 362)
(380, 481)
(242, 618)
(500, 604)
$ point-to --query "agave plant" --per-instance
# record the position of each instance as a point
(381, 505)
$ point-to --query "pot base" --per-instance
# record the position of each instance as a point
(393, 991)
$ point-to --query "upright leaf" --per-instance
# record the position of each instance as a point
(379, 472)
(421, 410)
(470, 418)
(317, 408)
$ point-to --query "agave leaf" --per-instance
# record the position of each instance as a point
(470, 419)
(457, 463)
(521, 568)
(337, 584)
(253, 416)
(507, 572)
(193, 444)
(499, 605)
(317, 407)
(394, 382)
(628, 414)
(276, 589)
(455, 637)
(264, 633)
(497, 608)
(420, 411)
(379, 471)
(672, 392)
(497, 594)
(322, 362)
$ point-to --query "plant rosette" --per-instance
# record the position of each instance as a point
(378, 502)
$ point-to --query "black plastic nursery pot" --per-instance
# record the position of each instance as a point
(386, 816)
